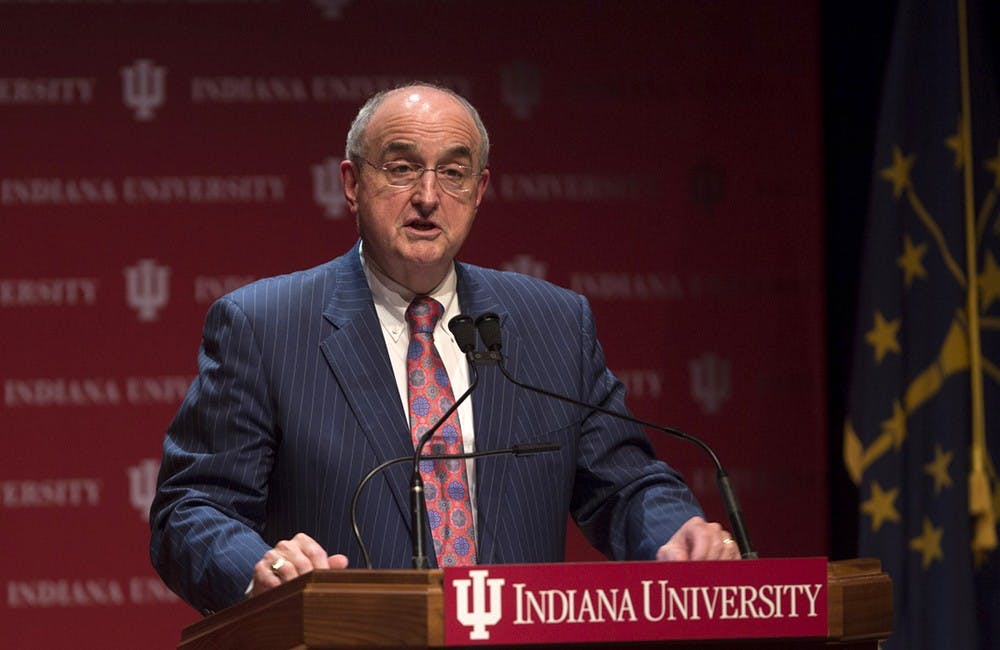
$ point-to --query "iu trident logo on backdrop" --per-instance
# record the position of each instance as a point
(147, 288)
(142, 485)
(332, 9)
(480, 615)
(527, 265)
(327, 188)
(521, 86)
(143, 88)
(711, 382)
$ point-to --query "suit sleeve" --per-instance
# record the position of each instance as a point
(626, 502)
(211, 495)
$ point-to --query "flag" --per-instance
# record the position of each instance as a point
(922, 430)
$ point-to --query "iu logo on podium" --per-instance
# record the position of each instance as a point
(480, 614)
(143, 88)
(147, 288)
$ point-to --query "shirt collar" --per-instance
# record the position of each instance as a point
(391, 298)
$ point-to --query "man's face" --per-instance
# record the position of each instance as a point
(413, 234)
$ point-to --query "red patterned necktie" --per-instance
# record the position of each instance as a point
(446, 486)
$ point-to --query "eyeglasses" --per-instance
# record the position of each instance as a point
(453, 178)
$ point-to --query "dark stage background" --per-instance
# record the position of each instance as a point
(663, 158)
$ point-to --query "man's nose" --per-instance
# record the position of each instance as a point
(427, 190)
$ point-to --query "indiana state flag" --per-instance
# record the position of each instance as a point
(922, 433)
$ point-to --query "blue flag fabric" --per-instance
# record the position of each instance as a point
(924, 404)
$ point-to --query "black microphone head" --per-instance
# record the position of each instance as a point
(488, 325)
(464, 330)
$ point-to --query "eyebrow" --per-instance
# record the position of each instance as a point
(400, 147)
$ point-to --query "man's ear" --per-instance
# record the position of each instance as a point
(484, 181)
(349, 179)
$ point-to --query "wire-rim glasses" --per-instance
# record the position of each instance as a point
(454, 178)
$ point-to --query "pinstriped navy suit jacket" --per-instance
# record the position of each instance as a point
(295, 401)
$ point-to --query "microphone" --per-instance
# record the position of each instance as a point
(527, 449)
(463, 329)
(488, 325)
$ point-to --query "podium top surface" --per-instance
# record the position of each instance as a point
(358, 608)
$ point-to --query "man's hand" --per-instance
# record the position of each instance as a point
(699, 540)
(291, 558)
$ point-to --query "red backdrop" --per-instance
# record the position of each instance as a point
(661, 158)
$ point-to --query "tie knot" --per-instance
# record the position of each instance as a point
(423, 314)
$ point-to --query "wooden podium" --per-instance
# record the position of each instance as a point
(405, 608)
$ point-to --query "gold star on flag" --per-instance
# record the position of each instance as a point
(928, 544)
(899, 171)
(895, 426)
(938, 469)
(989, 282)
(881, 506)
(882, 336)
(955, 143)
(993, 165)
(911, 261)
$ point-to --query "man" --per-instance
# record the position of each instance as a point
(305, 384)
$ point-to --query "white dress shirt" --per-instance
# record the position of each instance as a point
(391, 301)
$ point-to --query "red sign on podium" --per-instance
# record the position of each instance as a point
(635, 601)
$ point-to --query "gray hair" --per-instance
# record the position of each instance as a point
(356, 134)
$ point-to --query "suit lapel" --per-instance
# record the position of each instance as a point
(355, 352)
(494, 410)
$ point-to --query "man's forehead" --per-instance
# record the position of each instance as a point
(417, 97)
(422, 110)
(421, 101)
